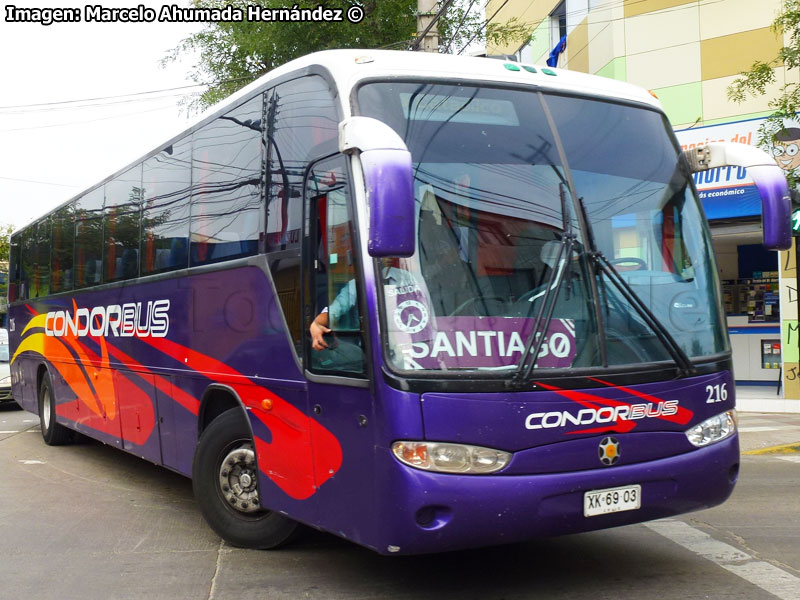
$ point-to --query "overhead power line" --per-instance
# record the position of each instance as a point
(421, 36)
(482, 27)
(132, 94)
(39, 182)
(458, 27)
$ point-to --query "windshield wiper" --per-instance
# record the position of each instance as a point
(664, 336)
(549, 296)
(548, 304)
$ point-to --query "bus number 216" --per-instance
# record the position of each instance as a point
(717, 393)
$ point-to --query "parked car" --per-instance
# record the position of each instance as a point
(5, 369)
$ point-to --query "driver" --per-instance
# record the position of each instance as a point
(344, 308)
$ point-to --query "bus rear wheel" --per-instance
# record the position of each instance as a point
(54, 434)
(225, 484)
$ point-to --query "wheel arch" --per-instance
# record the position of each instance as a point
(42, 371)
(218, 399)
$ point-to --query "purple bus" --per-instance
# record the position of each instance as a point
(422, 302)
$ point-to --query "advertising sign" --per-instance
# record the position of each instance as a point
(728, 192)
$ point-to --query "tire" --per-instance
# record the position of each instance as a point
(53, 433)
(225, 442)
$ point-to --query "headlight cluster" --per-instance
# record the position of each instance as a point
(450, 458)
(713, 430)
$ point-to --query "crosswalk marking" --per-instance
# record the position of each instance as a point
(765, 575)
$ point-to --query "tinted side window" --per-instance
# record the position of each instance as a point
(28, 262)
(121, 226)
(167, 180)
(63, 247)
(41, 283)
(302, 125)
(89, 239)
(226, 177)
(14, 268)
(334, 289)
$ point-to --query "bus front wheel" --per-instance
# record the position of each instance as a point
(54, 434)
(225, 483)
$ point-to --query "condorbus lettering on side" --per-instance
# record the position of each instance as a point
(117, 320)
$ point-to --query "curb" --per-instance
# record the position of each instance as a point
(782, 449)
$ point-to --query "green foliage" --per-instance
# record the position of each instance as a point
(232, 54)
(5, 234)
(755, 81)
(459, 27)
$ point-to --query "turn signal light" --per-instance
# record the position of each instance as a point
(450, 458)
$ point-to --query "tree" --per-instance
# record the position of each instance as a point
(232, 54)
(5, 234)
(755, 81)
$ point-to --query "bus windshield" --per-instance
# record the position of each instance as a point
(520, 195)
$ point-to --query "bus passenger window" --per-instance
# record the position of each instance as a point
(89, 239)
(302, 125)
(226, 195)
(166, 182)
(63, 237)
(41, 286)
(121, 226)
(28, 261)
(14, 268)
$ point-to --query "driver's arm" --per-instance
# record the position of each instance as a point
(318, 328)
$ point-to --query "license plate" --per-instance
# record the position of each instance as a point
(611, 500)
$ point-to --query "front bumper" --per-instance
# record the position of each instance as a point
(433, 512)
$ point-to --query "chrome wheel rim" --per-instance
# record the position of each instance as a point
(238, 480)
(46, 409)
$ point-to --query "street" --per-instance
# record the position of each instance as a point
(88, 521)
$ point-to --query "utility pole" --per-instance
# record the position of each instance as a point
(426, 12)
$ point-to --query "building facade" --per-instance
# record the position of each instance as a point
(688, 53)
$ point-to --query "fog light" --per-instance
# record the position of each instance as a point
(713, 430)
(450, 458)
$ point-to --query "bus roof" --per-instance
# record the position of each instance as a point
(349, 67)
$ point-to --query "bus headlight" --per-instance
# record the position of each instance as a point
(450, 458)
(713, 430)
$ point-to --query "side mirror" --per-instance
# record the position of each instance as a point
(765, 173)
(389, 181)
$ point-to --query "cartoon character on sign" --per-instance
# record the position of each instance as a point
(787, 149)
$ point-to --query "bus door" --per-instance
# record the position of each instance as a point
(338, 388)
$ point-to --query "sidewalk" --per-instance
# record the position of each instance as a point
(758, 431)
(764, 399)
(766, 419)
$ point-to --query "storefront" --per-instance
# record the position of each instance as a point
(758, 285)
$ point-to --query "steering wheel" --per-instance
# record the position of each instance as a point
(491, 303)
(640, 264)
